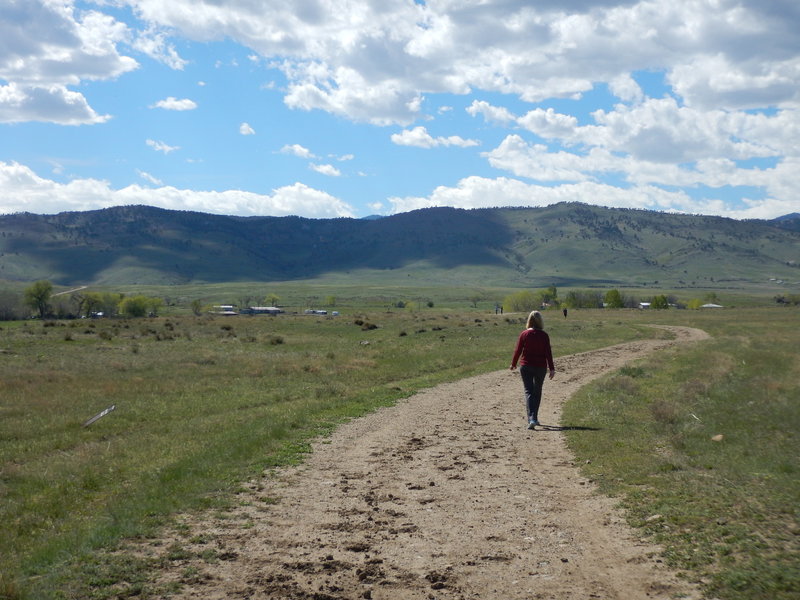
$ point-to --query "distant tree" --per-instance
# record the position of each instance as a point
(272, 299)
(522, 301)
(245, 301)
(711, 298)
(430, 304)
(550, 294)
(91, 303)
(330, 300)
(154, 305)
(630, 301)
(10, 305)
(659, 302)
(583, 299)
(613, 299)
(134, 306)
(695, 303)
(37, 297)
(109, 303)
(197, 306)
(476, 297)
(65, 307)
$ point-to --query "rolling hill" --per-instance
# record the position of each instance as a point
(565, 244)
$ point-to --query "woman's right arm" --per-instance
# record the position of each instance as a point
(517, 352)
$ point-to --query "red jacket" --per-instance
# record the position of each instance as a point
(533, 346)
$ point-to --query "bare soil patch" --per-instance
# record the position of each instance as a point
(446, 495)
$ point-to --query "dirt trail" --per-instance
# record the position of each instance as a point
(446, 495)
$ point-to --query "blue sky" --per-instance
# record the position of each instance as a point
(347, 108)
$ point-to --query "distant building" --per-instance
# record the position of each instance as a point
(311, 311)
(712, 306)
(225, 310)
(262, 310)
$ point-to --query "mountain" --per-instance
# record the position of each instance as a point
(790, 221)
(563, 244)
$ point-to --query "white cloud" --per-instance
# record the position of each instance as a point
(712, 81)
(297, 150)
(549, 124)
(161, 146)
(329, 170)
(662, 131)
(53, 104)
(171, 103)
(493, 114)
(245, 129)
(373, 62)
(480, 192)
(24, 190)
(420, 138)
(623, 86)
(149, 178)
(155, 45)
(46, 47)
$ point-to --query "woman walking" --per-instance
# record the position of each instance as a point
(535, 357)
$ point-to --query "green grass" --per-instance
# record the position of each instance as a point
(202, 404)
(726, 510)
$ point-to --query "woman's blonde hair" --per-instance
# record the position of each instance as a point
(535, 320)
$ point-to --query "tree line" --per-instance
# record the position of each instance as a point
(528, 300)
(39, 300)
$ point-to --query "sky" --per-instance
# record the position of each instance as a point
(351, 108)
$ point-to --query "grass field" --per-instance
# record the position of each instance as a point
(700, 444)
(204, 403)
(201, 404)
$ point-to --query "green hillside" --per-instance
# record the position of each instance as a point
(565, 244)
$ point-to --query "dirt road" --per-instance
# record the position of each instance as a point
(446, 495)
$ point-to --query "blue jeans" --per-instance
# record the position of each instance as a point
(532, 380)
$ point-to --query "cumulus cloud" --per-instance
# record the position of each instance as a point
(624, 86)
(245, 129)
(329, 170)
(297, 150)
(492, 114)
(658, 142)
(480, 192)
(730, 74)
(53, 104)
(420, 138)
(24, 190)
(171, 103)
(371, 61)
(161, 146)
(46, 47)
(550, 124)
